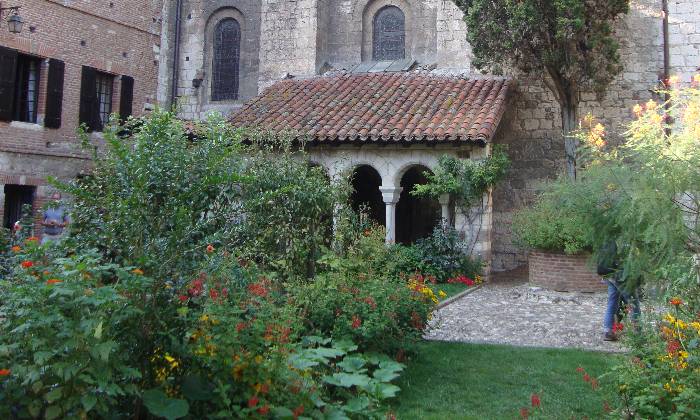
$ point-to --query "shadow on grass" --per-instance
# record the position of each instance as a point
(480, 381)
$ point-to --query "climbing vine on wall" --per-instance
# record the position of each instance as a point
(466, 180)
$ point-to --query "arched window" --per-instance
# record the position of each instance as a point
(389, 34)
(227, 53)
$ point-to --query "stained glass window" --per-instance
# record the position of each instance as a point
(227, 53)
(389, 34)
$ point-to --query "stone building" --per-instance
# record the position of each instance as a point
(345, 73)
(74, 61)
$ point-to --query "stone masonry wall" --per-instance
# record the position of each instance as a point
(110, 37)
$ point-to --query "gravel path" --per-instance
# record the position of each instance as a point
(524, 316)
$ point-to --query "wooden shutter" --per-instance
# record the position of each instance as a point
(8, 74)
(89, 111)
(127, 98)
(54, 94)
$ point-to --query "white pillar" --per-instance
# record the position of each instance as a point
(444, 200)
(391, 196)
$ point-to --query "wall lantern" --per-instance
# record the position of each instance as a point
(14, 21)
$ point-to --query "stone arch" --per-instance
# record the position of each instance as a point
(416, 217)
(370, 12)
(429, 162)
(366, 181)
(248, 57)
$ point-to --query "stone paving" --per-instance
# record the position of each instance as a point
(521, 315)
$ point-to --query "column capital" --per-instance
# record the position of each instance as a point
(390, 195)
(444, 199)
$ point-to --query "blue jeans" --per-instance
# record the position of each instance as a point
(614, 295)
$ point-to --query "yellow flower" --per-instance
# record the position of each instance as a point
(696, 78)
(259, 359)
(442, 294)
(637, 109)
(651, 105)
(137, 271)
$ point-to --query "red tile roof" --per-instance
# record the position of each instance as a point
(373, 107)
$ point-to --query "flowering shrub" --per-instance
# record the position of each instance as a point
(354, 297)
(462, 279)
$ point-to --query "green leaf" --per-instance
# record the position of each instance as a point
(53, 412)
(98, 331)
(282, 413)
(53, 395)
(88, 401)
(358, 404)
(161, 405)
(352, 364)
(385, 375)
(387, 390)
(195, 388)
(347, 380)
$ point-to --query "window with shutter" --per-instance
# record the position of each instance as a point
(54, 94)
(8, 76)
(27, 89)
(389, 34)
(95, 98)
(127, 98)
(226, 56)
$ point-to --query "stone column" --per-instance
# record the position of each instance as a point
(391, 196)
(444, 200)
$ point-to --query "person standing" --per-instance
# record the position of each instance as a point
(609, 268)
(55, 219)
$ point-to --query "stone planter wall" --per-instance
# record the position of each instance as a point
(563, 273)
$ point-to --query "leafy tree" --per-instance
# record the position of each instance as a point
(571, 42)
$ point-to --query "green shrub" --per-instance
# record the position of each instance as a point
(556, 222)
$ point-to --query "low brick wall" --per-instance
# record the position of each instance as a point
(563, 273)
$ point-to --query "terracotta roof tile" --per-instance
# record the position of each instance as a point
(381, 107)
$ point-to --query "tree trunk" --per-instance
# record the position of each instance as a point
(569, 119)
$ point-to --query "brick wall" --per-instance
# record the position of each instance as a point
(119, 38)
(563, 273)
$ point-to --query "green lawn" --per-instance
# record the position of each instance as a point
(471, 381)
(450, 289)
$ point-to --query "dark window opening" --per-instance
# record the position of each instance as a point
(389, 34)
(16, 197)
(27, 92)
(416, 217)
(366, 195)
(226, 59)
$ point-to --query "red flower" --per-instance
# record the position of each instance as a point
(298, 411)
(5, 372)
(586, 377)
(27, 264)
(618, 327)
(240, 326)
(214, 294)
(579, 369)
(370, 301)
(356, 322)
(31, 239)
(535, 399)
(253, 401)
(52, 281)
(257, 289)
(264, 410)
(524, 413)
(606, 407)
(210, 248)
(676, 301)
(673, 346)
(264, 388)
(183, 298)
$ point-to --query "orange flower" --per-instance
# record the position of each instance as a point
(676, 301)
(32, 239)
(137, 271)
(52, 281)
(16, 248)
(27, 264)
(210, 248)
(5, 372)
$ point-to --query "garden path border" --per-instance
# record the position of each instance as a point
(458, 296)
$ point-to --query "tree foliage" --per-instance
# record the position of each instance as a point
(571, 42)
